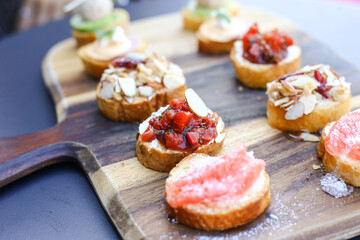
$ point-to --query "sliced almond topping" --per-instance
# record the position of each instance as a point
(145, 90)
(308, 68)
(160, 66)
(295, 112)
(281, 101)
(309, 137)
(137, 56)
(309, 103)
(107, 89)
(173, 81)
(142, 68)
(196, 103)
(316, 167)
(128, 86)
(175, 69)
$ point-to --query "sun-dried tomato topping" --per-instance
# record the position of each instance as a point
(125, 63)
(178, 128)
(270, 47)
(322, 88)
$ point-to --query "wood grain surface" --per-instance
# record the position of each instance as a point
(133, 195)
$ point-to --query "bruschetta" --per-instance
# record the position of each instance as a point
(97, 56)
(183, 127)
(217, 193)
(137, 85)
(339, 147)
(262, 58)
(308, 99)
(197, 11)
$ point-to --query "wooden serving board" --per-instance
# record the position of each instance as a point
(133, 195)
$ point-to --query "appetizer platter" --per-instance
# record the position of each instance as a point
(113, 157)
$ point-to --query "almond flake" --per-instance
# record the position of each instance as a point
(196, 103)
(128, 86)
(173, 81)
(281, 101)
(309, 137)
(160, 66)
(175, 69)
(107, 89)
(309, 103)
(308, 68)
(295, 112)
(315, 167)
(136, 56)
(145, 90)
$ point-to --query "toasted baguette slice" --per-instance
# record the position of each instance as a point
(94, 67)
(83, 38)
(230, 213)
(325, 112)
(258, 75)
(154, 156)
(140, 109)
(346, 167)
(192, 23)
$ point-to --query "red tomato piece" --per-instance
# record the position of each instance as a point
(171, 114)
(180, 120)
(176, 103)
(174, 140)
(193, 137)
(164, 122)
(207, 136)
(148, 135)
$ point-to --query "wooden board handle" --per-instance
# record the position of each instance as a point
(21, 155)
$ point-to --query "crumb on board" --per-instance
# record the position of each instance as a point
(122, 163)
(316, 167)
(307, 178)
(311, 173)
(259, 98)
(240, 88)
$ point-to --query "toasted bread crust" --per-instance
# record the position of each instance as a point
(83, 38)
(95, 68)
(219, 216)
(192, 22)
(258, 75)
(141, 109)
(164, 160)
(211, 47)
(348, 169)
(312, 122)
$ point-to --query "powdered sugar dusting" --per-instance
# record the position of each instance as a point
(332, 184)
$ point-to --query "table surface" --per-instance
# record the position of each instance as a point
(58, 202)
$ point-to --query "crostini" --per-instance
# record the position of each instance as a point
(218, 35)
(183, 127)
(308, 99)
(339, 147)
(198, 11)
(97, 56)
(95, 16)
(262, 58)
(217, 193)
(137, 85)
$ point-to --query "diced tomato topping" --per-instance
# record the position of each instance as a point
(170, 114)
(270, 47)
(180, 120)
(178, 128)
(193, 137)
(207, 136)
(164, 123)
(176, 103)
(148, 135)
(174, 140)
(322, 88)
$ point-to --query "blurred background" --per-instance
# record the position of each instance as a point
(19, 15)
